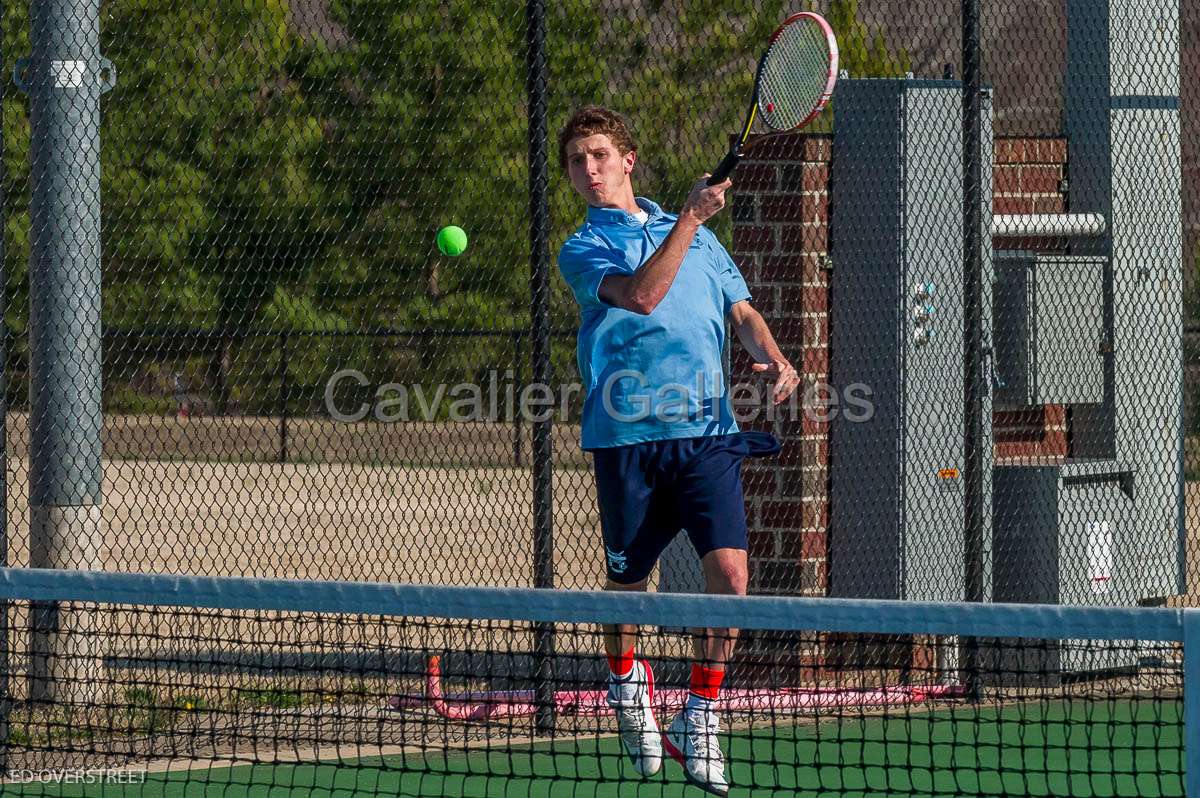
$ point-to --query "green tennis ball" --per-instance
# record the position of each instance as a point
(452, 240)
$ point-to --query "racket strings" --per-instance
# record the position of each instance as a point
(795, 74)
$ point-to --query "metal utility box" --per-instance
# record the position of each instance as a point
(1062, 534)
(896, 343)
(1049, 329)
(1067, 534)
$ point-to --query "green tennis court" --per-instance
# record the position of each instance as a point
(1081, 747)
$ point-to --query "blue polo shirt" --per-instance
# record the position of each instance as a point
(659, 376)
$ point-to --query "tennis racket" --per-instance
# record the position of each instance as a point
(792, 85)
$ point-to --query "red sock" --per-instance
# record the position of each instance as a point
(706, 682)
(621, 664)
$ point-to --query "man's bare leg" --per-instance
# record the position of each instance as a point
(692, 738)
(620, 638)
(726, 572)
(631, 692)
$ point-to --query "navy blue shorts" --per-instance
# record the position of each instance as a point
(648, 492)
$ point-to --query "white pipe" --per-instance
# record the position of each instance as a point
(1049, 224)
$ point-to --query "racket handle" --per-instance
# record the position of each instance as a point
(725, 168)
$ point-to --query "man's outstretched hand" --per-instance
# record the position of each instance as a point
(786, 378)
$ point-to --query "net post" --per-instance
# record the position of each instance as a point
(1191, 702)
(65, 364)
(539, 261)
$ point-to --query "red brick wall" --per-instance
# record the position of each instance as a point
(781, 224)
(780, 238)
(1040, 432)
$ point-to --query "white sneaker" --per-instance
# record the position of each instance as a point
(692, 742)
(633, 701)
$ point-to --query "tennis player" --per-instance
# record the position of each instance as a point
(655, 291)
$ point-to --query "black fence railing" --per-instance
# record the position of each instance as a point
(191, 373)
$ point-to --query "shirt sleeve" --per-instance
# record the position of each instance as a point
(584, 266)
(732, 283)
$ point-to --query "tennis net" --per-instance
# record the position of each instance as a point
(128, 684)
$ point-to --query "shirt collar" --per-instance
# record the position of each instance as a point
(606, 216)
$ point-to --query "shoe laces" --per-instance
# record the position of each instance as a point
(632, 724)
(702, 729)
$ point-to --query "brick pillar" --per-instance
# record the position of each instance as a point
(780, 240)
(781, 224)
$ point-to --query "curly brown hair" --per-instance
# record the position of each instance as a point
(589, 121)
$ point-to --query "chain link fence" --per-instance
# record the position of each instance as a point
(234, 348)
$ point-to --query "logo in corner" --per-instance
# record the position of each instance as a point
(616, 561)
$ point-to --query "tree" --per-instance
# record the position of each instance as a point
(259, 173)
(208, 201)
(425, 127)
(861, 53)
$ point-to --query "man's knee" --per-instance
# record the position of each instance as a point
(726, 571)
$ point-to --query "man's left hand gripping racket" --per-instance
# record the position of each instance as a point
(793, 83)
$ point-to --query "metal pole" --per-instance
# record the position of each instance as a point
(539, 285)
(973, 437)
(518, 353)
(973, 298)
(5, 657)
(283, 405)
(64, 77)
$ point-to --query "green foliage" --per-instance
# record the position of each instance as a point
(862, 53)
(1191, 292)
(208, 198)
(270, 698)
(259, 172)
(415, 141)
(14, 128)
(1191, 349)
